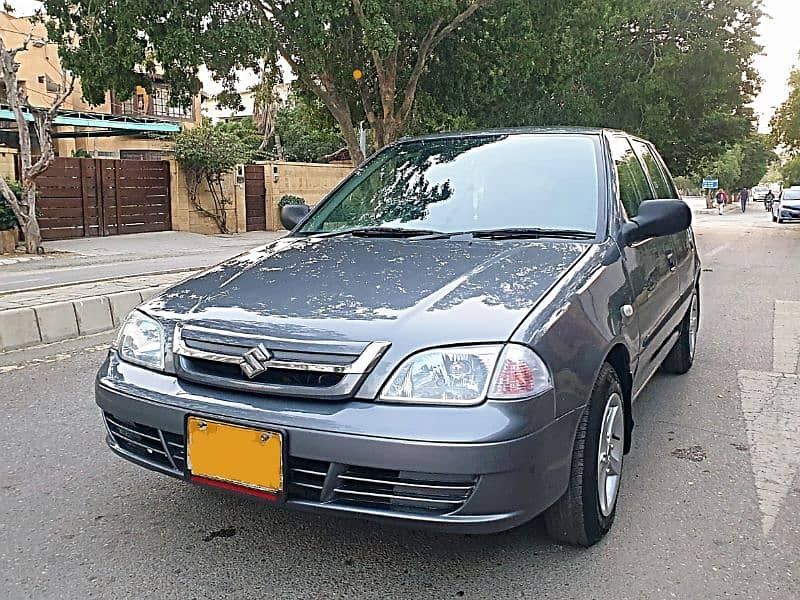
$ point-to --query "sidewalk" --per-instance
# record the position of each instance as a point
(30, 318)
(88, 259)
(698, 206)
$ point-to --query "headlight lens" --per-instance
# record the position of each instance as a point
(466, 375)
(141, 341)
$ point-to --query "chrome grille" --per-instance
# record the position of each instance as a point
(366, 487)
(311, 368)
(163, 449)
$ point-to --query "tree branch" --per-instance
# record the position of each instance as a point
(426, 48)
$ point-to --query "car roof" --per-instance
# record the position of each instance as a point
(512, 131)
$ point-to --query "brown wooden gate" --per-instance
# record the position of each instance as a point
(255, 198)
(90, 197)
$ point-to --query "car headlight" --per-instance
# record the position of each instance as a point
(467, 375)
(141, 341)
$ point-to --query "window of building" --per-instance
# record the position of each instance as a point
(161, 107)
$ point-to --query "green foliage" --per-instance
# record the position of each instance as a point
(791, 172)
(206, 153)
(119, 45)
(80, 153)
(208, 150)
(246, 132)
(726, 167)
(7, 218)
(677, 72)
(689, 185)
(756, 158)
(785, 124)
(307, 130)
(288, 199)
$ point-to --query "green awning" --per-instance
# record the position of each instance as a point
(105, 121)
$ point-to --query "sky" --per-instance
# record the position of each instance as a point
(779, 33)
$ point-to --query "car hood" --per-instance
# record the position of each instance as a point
(370, 289)
(795, 204)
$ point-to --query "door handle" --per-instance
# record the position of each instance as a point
(673, 266)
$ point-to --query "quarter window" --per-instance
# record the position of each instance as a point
(660, 183)
(633, 186)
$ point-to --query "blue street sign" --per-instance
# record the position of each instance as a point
(710, 184)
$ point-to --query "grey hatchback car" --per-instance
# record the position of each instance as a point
(451, 339)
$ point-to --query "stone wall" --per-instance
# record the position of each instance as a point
(186, 217)
(310, 181)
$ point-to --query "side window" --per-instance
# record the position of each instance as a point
(660, 183)
(633, 186)
(665, 171)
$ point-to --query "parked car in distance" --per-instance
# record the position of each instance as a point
(760, 192)
(787, 205)
(451, 339)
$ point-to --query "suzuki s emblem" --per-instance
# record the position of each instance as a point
(255, 361)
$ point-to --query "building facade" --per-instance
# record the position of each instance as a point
(118, 128)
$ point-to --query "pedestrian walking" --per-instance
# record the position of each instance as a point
(721, 197)
(744, 196)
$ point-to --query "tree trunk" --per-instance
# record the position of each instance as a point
(33, 235)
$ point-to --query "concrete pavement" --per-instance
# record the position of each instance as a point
(709, 507)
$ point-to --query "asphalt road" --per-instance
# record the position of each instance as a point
(710, 504)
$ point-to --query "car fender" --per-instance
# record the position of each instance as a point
(579, 322)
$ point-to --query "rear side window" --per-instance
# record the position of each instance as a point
(657, 176)
(633, 186)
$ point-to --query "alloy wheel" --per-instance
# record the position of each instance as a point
(694, 321)
(609, 454)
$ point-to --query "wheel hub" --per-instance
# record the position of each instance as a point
(609, 454)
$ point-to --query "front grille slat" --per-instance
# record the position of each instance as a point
(350, 486)
(145, 442)
(427, 486)
(378, 496)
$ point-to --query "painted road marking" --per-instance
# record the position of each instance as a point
(771, 407)
(786, 337)
(771, 410)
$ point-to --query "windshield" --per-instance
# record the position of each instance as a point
(791, 195)
(543, 181)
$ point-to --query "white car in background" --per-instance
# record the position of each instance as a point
(760, 192)
(787, 205)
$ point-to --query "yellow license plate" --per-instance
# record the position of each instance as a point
(234, 454)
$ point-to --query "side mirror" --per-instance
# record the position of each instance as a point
(657, 218)
(292, 214)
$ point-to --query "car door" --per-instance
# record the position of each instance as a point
(650, 264)
(685, 256)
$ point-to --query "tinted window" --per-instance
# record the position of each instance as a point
(633, 186)
(660, 184)
(467, 184)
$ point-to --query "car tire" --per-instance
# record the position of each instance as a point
(580, 517)
(681, 357)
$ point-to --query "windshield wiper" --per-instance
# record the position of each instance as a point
(398, 232)
(533, 232)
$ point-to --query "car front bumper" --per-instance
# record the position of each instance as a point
(789, 213)
(498, 480)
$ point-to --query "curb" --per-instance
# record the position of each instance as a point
(58, 321)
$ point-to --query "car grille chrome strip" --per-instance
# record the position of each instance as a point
(365, 361)
(324, 369)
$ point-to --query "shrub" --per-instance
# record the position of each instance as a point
(288, 199)
(7, 218)
(206, 154)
